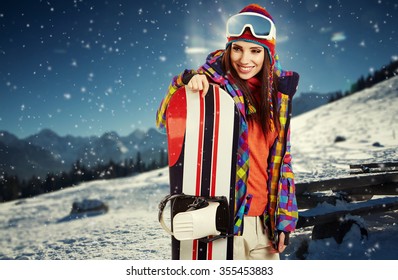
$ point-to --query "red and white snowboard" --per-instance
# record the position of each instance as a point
(202, 135)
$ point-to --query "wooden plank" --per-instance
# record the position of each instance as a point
(373, 167)
(373, 171)
(357, 184)
(362, 208)
(311, 201)
(308, 201)
(388, 188)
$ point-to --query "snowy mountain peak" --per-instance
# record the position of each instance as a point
(69, 149)
(110, 136)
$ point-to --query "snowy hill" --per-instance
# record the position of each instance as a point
(367, 120)
(36, 228)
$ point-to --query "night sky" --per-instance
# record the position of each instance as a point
(85, 67)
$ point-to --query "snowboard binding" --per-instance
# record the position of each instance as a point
(196, 217)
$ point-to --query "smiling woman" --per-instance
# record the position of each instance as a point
(247, 59)
(249, 71)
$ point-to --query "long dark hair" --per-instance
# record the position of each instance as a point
(263, 108)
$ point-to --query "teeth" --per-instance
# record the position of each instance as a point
(246, 68)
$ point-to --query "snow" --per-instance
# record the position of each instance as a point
(363, 119)
(36, 228)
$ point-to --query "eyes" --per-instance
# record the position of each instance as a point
(237, 49)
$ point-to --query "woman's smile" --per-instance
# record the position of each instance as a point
(247, 59)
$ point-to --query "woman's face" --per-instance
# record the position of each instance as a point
(247, 59)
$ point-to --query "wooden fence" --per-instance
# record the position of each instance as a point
(365, 181)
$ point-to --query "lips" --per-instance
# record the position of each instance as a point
(245, 69)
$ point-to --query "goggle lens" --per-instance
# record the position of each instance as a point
(261, 27)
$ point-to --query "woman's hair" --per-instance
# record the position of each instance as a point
(262, 106)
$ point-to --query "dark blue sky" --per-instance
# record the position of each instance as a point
(85, 67)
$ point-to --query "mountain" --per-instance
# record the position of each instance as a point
(66, 149)
(24, 159)
(46, 151)
(7, 138)
(308, 101)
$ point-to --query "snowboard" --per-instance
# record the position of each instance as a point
(202, 135)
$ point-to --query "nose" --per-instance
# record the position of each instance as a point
(245, 58)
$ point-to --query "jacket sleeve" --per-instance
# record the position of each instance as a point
(288, 83)
(287, 214)
(177, 82)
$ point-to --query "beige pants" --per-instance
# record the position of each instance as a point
(254, 243)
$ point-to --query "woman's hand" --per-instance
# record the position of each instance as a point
(198, 83)
(281, 244)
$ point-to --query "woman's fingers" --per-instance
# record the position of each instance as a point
(199, 83)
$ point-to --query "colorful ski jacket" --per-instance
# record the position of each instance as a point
(282, 212)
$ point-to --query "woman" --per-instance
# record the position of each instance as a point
(248, 69)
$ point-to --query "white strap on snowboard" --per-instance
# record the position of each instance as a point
(196, 224)
(193, 224)
(162, 205)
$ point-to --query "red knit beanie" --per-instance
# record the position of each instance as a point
(269, 45)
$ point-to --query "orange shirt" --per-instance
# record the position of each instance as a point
(258, 160)
(259, 146)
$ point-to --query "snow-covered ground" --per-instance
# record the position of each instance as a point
(35, 228)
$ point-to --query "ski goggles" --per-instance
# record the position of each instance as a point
(260, 26)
